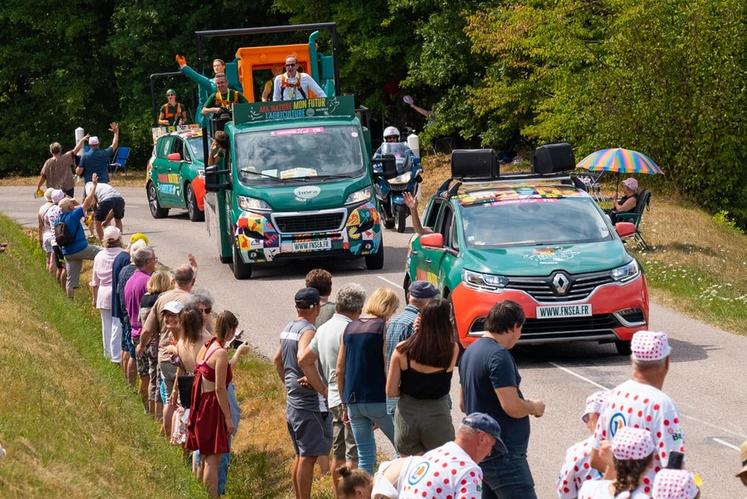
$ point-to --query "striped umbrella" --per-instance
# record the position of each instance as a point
(619, 160)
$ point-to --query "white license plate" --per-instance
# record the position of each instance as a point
(560, 311)
(312, 245)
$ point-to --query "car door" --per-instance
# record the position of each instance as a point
(434, 258)
(421, 257)
(160, 170)
(172, 184)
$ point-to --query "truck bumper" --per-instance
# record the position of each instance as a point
(258, 239)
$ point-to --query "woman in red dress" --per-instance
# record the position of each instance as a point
(210, 422)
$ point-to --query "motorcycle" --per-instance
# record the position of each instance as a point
(397, 170)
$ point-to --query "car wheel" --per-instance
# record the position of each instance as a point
(623, 347)
(155, 207)
(400, 214)
(375, 261)
(241, 269)
(194, 212)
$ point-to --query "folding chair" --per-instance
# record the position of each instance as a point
(120, 159)
(635, 216)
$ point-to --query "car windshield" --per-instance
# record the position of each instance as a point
(299, 153)
(195, 148)
(534, 221)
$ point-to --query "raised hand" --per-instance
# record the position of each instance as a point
(181, 60)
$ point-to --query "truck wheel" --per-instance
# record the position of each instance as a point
(623, 347)
(241, 270)
(155, 207)
(194, 212)
(389, 223)
(375, 261)
(400, 213)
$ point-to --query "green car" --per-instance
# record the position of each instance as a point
(538, 240)
(175, 177)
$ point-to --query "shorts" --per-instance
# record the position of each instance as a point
(421, 425)
(343, 441)
(142, 361)
(168, 377)
(127, 344)
(69, 192)
(311, 432)
(115, 204)
(74, 264)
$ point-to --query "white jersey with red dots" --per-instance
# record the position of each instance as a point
(642, 406)
(600, 489)
(447, 472)
(576, 470)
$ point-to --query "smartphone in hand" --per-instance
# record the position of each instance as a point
(238, 340)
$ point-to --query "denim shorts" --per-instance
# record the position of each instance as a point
(507, 477)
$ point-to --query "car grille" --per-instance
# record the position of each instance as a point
(565, 328)
(320, 222)
(542, 289)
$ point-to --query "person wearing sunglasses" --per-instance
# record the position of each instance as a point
(173, 112)
(294, 84)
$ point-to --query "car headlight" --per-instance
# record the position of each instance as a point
(252, 204)
(490, 282)
(359, 196)
(401, 179)
(627, 272)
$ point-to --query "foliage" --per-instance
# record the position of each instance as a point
(723, 219)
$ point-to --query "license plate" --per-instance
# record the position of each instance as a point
(312, 245)
(560, 311)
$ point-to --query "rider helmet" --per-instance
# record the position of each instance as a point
(391, 131)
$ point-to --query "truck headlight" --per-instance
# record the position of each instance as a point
(252, 204)
(401, 179)
(627, 272)
(359, 196)
(490, 282)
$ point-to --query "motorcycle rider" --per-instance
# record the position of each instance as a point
(391, 134)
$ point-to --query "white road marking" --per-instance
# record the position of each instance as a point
(715, 427)
(583, 378)
(726, 444)
(389, 281)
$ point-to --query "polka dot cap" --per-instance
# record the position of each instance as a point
(674, 484)
(650, 345)
(595, 402)
(632, 443)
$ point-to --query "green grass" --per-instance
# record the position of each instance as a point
(70, 425)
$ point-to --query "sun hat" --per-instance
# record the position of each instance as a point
(486, 423)
(632, 443)
(307, 298)
(173, 306)
(112, 233)
(422, 289)
(650, 346)
(594, 403)
(743, 452)
(631, 183)
(674, 484)
(57, 196)
(93, 141)
(48, 193)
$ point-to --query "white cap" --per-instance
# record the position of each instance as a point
(173, 306)
(111, 233)
(595, 403)
(93, 141)
(650, 346)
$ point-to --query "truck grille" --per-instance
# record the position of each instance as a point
(319, 222)
(565, 328)
(543, 290)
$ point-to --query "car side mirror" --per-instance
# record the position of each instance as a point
(625, 229)
(432, 240)
(174, 156)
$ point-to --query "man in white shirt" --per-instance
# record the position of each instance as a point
(323, 349)
(640, 402)
(108, 201)
(294, 85)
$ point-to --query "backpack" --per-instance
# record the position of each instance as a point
(62, 234)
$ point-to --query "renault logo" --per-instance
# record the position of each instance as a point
(561, 283)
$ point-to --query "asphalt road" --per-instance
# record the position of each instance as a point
(707, 378)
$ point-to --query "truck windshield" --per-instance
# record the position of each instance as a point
(195, 148)
(534, 221)
(299, 153)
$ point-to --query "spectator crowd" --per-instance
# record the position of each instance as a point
(352, 363)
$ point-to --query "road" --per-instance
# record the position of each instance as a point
(707, 378)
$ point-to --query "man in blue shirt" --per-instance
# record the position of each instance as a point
(420, 293)
(97, 160)
(78, 248)
(490, 383)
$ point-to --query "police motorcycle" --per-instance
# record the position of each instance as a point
(396, 170)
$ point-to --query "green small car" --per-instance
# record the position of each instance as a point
(175, 176)
(538, 240)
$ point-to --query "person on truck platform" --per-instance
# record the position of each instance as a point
(173, 112)
(295, 85)
(221, 102)
(206, 85)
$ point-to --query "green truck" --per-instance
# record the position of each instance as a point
(297, 180)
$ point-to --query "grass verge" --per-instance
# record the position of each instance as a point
(71, 426)
(696, 263)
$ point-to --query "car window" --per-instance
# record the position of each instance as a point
(453, 238)
(178, 146)
(164, 146)
(431, 213)
(444, 226)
